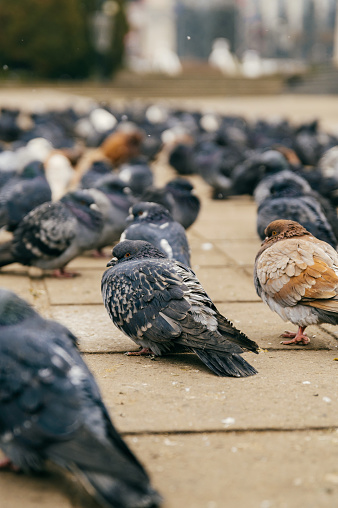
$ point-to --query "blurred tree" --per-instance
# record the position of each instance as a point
(52, 38)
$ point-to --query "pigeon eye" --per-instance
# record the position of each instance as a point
(140, 213)
(274, 233)
(127, 255)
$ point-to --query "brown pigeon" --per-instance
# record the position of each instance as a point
(296, 275)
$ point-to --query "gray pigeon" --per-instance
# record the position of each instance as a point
(160, 304)
(54, 233)
(114, 203)
(51, 409)
(289, 202)
(137, 175)
(22, 193)
(152, 223)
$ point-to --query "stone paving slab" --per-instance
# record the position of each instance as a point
(293, 390)
(241, 470)
(265, 327)
(211, 470)
(242, 252)
(227, 284)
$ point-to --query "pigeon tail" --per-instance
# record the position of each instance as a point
(6, 256)
(111, 492)
(229, 364)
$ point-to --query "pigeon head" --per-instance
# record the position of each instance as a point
(282, 229)
(146, 211)
(286, 188)
(12, 308)
(129, 250)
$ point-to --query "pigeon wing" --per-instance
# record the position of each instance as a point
(299, 271)
(45, 232)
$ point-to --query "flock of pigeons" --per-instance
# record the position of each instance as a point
(50, 405)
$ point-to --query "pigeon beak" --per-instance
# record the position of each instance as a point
(130, 218)
(112, 262)
(94, 206)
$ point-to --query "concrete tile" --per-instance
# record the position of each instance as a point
(241, 470)
(207, 254)
(84, 289)
(93, 327)
(265, 327)
(292, 390)
(18, 282)
(242, 252)
(226, 284)
(221, 220)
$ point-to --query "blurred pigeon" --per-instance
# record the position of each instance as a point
(137, 175)
(266, 187)
(160, 304)
(95, 172)
(114, 203)
(289, 202)
(210, 160)
(186, 204)
(154, 224)
(248, 174)
(123, 144)
(181, 158)
(51, 410)
(54, 233)
(296, 276)
(23, 193)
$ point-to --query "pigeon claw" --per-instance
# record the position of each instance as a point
(296, 338)
(7, 464)
(61, 273)
(142, 352)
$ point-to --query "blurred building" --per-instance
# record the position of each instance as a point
(183, 32)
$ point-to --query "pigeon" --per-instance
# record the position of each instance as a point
(249, 173)
(95, 173)
(137, 175)
(296, 275)
(123, 145)
(160, 304)
(54, 233)
(186, 204)
(288, 201)
(51, 410)
(114, 204)
(23, 193)
(153, 223)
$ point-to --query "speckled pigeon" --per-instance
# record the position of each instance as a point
(153, 223)
(160, 304)
(51, 410)
(23, 193)
(54, 233)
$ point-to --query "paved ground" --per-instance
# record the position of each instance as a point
(269, 441)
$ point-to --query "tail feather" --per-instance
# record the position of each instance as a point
(114, 493)
(6, 256)
(228, 330)
(227, 364)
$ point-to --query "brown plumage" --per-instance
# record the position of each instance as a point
(296, 275)
(122, 146)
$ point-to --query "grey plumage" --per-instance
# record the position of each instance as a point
(137, 175)
(22, 193)
(51, 409)
(160, 304)
(54, 233)
(290, 199)
(153, 223)
(113, 202)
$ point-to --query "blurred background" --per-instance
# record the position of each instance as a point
(116, 41)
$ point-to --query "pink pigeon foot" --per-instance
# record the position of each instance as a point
(8, 464)
(61, 273)
(143, 351)
(296, 338)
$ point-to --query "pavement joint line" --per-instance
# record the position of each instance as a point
(329, 332)
(266, 350)
(260, 430)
